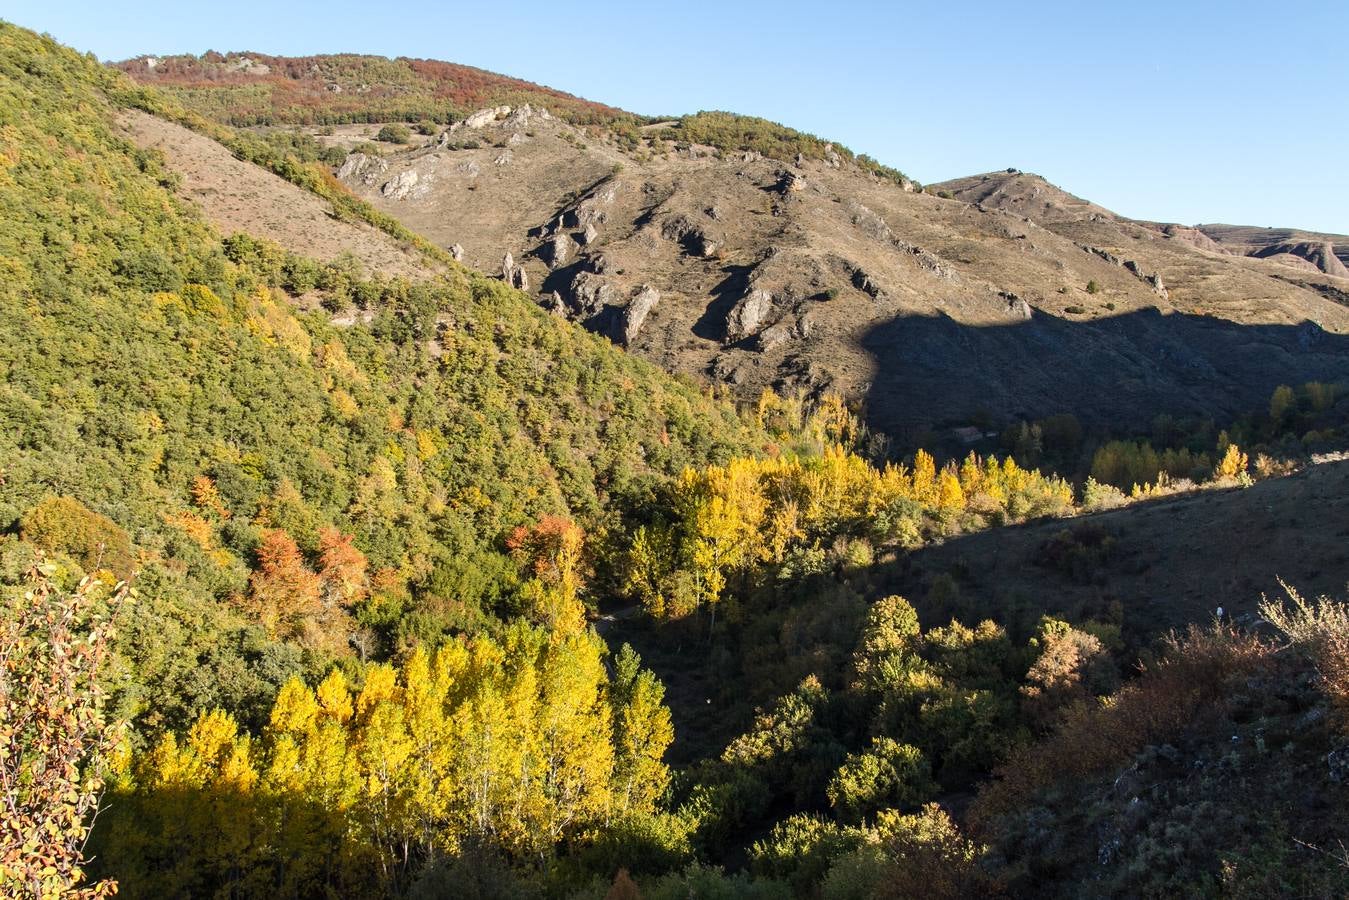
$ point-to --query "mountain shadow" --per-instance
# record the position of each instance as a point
(1118, 372)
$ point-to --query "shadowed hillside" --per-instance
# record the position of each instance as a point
(1121, 370)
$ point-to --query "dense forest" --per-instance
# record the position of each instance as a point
(295, 608)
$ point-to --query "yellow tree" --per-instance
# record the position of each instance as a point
(642, 732)
(924, 479)
(1232, 465)
(950, 496)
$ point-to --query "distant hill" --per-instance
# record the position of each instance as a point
(257, 89)
(745, 253)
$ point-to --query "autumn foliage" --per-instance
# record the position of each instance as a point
(54, 737)
(522, 744)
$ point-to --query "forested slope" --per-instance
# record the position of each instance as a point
(155, 374)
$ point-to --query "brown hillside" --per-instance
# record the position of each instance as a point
(744, 253)
(817, 274)
(1328, 252)
(239, 196)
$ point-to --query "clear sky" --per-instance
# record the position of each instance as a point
(1164, 109)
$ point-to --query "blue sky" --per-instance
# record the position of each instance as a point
(1178, 111)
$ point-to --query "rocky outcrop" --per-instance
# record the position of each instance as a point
(522, 117)
(558, 250)
(1152, 280)
(553, 302)
(362, 167)
(694, 240)
(927, 260)
(589, 234)
(593, 208)
(513, 274)
(784, 331)
(868, 222)
(407, 185)
(748, 314)
(589, 294)
(457, 253)
(1017, 307)
(628, 323)
(790, 183)
(866, 284)
(482, 117)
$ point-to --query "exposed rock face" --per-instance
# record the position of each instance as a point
(522, 116)
(457, 252)
(483, 117)
(790, 183)
(406, 185)
(870, 223)
(514, 275)
(590, 233)
(748, 314)
(928, 260)
(589, 294)
(592, 209)
(362, 166)
(557, 252)
(831, 157)
(629, 322)
(786, 330)
(1320, 254)
(552, 301)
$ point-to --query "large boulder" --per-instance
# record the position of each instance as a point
(363, 167)
(558, 250)
(628, 323)
(406, 185)
(589, 294)
(746, 317)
